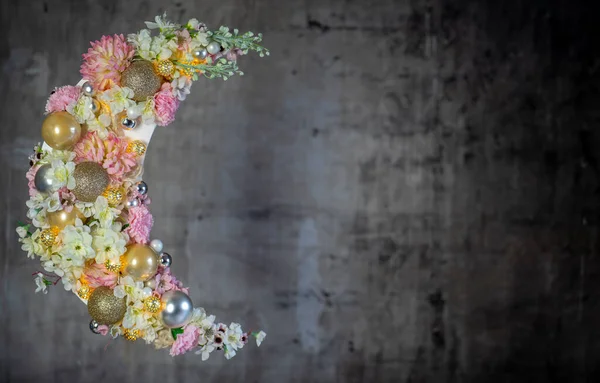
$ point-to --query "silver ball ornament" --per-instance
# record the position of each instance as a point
(178, 309)
(142, 187)
(200, 54)
(133, 203)
(213, 48)
(128, 123)
(156, 245)
(94, 327)
(43, 183)
(166, 259)
(87, 89)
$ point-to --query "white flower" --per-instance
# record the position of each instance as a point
(141, 41)
(118, 99)
(82, 109)
(260, 337)
(41, 283)
(144, 109)
(115, 331)
(61, 155)
(61, 174)
(181, 87)
(205, 351)
(161, 23)
(200, 40)
(233, 337)
(100, 125)
(22, 232)
(86, 208)
(229, 352)
(53, 202)
(77, 244)
(104, 213)
(193, 24)
(31, 246)
(108, 244)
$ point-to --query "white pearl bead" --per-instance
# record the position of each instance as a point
(213, 48)
(156, 245)
(146, 292)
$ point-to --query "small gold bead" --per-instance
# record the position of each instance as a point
(137, 147)
(113, 267)
(152, 304)
(114, 196)
(165, 68)
(48, 236)
(131, 335)
(84, 292)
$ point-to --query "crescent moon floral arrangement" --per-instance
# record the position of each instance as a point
(89, 221)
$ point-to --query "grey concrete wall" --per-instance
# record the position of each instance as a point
(405, 191)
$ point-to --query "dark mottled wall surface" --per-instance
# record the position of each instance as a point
(405, 191)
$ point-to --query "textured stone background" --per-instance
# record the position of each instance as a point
(405, 191)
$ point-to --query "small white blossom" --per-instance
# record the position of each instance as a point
(181, 87)
(109, 244)
(260, 337)
(82, 109)
(118, 99)
(41, 284)
(104, 213)
(161, 23)
(61, 174)
(53, 202)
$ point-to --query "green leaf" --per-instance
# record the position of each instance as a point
(47, 282)
(125, 227)
(176, 331)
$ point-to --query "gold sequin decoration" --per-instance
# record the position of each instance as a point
(137, 147)
(91, 179)
(114, 196)
(152, 304)
(104, 307)
(131, 335)
(141, 77)
(84, 292)
(48, 236)
(165, 68)
(113, 267)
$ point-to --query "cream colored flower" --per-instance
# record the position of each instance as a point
(108, 244)
(60, 155)
(61, 174)
(104, 213)
(260, 337)
(53, 202)
(82, 109)
(40, 282)
(163, 339)
(118, 99)
(76, 244)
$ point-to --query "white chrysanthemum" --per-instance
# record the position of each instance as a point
(108, 244)
(82, 109)
(118, 99)
(104, 213)
(76, 244)
(61, 174)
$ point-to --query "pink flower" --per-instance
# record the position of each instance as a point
(165, 281)
(140, 223)
(67, 198)
(61, 98)
(103, 329)
(97, 275)
(106, 60)
(30, 175)
(165, 105)
(184, 40)
(111, 153)
(185, 341)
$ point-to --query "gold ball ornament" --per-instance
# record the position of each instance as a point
(114, 196)
(61, 131)
(91, 179)
(62, 218)
(165, 68)
(152, 304)
(131, 334)
(136, 147)
(141, 77)
(48, 236)
(84, 292)
(140, 262)
(104, 307)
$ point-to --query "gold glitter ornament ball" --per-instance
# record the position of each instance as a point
(104, 307)
(142, 79)
(131, 335)
(91, 179)
(114, 196)
(152, 304)
(136, 147)
(48, 236)
(165, 68)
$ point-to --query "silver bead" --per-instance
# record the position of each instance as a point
(94, 327)
(95, 107)
(156, 245)
(213, 48)
(142, 187)
(178, 309)
(200, 54)
(128, 123)
(42, 181)
(87, 89)
(133, 202)
(166, 259)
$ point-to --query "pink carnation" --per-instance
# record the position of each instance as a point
(61, 98)
(106, 60)
(185, 341)
(111, 153)
(31, 180)
(165, 105)
(140, 223)
(98, 275)
(165, 281)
